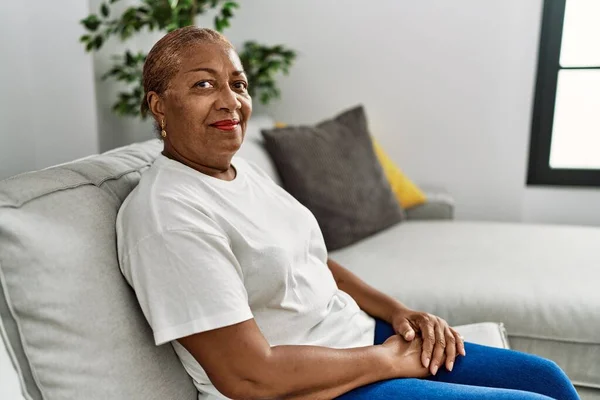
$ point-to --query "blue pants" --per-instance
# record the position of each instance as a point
(485, 373)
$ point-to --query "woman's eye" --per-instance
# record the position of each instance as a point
(240, 85)
(203, 84)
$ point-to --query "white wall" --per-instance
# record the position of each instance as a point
(448, 87)
(562, 206)
(47, 107)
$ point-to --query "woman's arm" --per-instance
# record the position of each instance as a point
(441, 343)
(241, 364)
(369, 299)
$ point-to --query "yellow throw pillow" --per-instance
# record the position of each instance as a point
(407, 193)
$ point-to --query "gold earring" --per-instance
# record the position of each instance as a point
(163, 133)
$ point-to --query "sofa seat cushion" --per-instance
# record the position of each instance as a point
(541, 281)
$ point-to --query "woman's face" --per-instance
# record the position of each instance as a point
(206, 106)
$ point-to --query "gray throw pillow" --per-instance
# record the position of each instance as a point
(332, 169)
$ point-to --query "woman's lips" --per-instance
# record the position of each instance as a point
(226, 125)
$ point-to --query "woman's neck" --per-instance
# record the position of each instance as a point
(227, 173)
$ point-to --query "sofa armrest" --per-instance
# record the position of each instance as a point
(491, 334)
(439, 205)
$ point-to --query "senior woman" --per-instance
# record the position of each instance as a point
(233, 271)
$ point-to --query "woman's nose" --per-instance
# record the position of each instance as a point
(228, 100)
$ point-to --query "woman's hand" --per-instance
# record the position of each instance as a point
(406, 357)
(440, 342)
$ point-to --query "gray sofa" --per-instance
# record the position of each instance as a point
(73, 328)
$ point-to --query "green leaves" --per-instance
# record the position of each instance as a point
(91, 23)
(222, 19)
(129, 60)
(98, 41)
(128, 69)
(128, 103)
(262, 63)
(104, 10)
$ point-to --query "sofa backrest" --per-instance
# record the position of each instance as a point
(253, 148)
(70, 320)
(71, 323)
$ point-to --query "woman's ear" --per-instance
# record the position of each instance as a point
(156, 105)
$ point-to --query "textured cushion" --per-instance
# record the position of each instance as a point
(541, 281)
(332, 169)
(73, 324)
(406, 192)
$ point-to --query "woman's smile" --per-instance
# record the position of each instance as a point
(226, 124)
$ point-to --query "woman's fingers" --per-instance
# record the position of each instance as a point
(460, 343)
(428, 334)
(406, 331)
(439, 350)
(450, 348)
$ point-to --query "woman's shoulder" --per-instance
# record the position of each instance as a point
(156, 185)
(163, 198)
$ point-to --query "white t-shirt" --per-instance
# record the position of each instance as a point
(202, 253)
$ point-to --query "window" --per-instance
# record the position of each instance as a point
(565, 134)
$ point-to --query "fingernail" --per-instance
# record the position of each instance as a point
(464, 353)
(427, 363)
(434, 370)
(450, 366)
